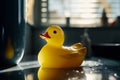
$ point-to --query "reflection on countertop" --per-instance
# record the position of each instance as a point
(61, 74)
(92, 69)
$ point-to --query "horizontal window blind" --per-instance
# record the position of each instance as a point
(82, 13)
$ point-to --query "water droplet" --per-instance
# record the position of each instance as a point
(67, 73)
(91, 72)
(69, 79)
(82, 72)
(99, 60)
(77, 71)
(115, 74)
(93, 69)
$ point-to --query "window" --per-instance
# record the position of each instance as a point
(82, 13)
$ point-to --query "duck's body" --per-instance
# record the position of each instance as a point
(58, 56)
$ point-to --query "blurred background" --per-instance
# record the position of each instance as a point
(87, 13)
(95, 23)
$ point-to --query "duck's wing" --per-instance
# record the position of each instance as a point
(69, 52)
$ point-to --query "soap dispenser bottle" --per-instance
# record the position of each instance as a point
(85, 40)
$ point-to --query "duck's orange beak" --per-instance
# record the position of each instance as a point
(46, 35)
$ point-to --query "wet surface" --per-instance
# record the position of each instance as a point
(92, 69)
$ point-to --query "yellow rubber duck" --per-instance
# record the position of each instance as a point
(55, 55)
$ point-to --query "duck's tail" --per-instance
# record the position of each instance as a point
(77, 46)
(82, 51)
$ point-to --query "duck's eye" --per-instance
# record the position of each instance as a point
(54, 32)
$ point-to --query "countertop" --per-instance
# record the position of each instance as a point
(91, 69)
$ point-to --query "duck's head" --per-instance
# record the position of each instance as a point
(54, 35)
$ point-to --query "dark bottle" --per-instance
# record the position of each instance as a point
(85, 40)
(104, 19)
(12, 32)
(118, 21)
